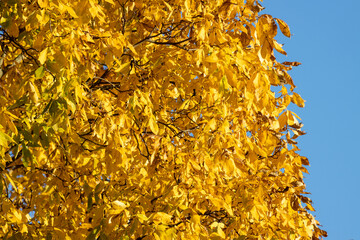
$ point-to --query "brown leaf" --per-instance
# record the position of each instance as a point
(292, 63)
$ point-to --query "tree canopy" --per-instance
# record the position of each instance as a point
(148, 119)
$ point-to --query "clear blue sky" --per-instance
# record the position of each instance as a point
(326, 40)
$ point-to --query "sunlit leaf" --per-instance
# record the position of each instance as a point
(40, 72)
(284, 27)
(4, 139)
(43, 55)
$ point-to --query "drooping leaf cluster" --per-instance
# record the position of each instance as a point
(148, 119)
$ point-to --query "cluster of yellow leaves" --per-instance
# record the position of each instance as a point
(148, 119)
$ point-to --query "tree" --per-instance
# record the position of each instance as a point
(148, 119)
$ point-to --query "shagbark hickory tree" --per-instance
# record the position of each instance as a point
(148, 119)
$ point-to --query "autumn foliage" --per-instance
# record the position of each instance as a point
(148, 119)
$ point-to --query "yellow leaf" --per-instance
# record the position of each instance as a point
(230, 76)
(254, 213)
(187, 5)
(212, 124)
(131, 47)
(266, 50)
(228, 208)
(162, 218)
(71, 11)
(42, 56)
(118, 204)
(4, 139)
(33, 92)
(283, 119)
(89, 38)
(229, 166)
(218, 203)
(124, 68)
(296, 98)
(212, 58)
(43, 3)
(202, 33)
(195, 219)
(86, 226)
(110, 1)
(185, 104)
(308, 205)
(278, 47)
(214, 225)
(283, 90)
(289, 80)
(23, 228)
(15, 216)
(220, 37)
(11, 124)
(291, 120)
(153, 125)
(142, 217)
(284, 27)
(11, 181)
(168, 6)
(220, 232)
(117, 207)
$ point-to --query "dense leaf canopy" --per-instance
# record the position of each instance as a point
(148, 119)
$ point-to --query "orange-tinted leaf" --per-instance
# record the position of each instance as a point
(292, 63)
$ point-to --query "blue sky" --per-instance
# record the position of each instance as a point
(326, 40)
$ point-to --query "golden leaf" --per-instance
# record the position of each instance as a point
(4, 139)
(296, 98)
(43, 3)
(278, 47)
(284, 27)
(110, 1)
(42, 56)
(71, 11)
(202, 33)
(153, 125)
